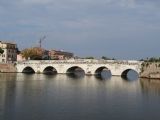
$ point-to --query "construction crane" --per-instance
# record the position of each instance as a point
(41, 40)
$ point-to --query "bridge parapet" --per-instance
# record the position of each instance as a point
(81, 61)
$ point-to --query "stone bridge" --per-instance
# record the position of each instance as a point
(89, 66)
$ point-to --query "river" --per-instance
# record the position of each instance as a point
(63, 97)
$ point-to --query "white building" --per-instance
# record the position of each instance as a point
(10, 52)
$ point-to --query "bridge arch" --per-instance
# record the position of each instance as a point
(126, 71)
(50, 70)
(28, 69)
(99, 70)
(73, 69)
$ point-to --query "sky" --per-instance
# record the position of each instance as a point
(121, 29)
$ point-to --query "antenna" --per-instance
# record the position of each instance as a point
(40, 41)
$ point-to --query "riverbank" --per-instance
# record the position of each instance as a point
(150, 70)
(7, 68)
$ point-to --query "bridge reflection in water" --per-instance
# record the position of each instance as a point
(75, 71)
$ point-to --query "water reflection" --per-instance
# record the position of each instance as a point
(76, 75)
(150, 86)
(131, 75)
(7, 95)
(104, 75)
(46, 97)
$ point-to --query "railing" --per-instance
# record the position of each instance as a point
(81, 61)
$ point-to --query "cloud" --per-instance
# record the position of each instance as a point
(34, 2)
(72, 24)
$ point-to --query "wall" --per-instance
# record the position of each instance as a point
(150, 70)
(7, 68)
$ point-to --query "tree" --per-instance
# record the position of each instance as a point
(33, 53)
(105, 58)
(1, 51)
(90, 57)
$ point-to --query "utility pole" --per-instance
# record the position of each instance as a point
(41, 40)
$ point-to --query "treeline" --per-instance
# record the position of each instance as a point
(103, 57)
(152, 59)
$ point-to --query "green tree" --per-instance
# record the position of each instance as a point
(90, 57)
(1, 51)
(105, 58)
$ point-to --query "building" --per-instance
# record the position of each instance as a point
(60, 55)
(10, 52)
(20, 57)
(45, 55)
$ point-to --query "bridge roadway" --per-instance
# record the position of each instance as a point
(89, 66)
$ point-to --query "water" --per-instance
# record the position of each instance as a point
(67, 97)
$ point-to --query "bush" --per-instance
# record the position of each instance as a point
(1, 51)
